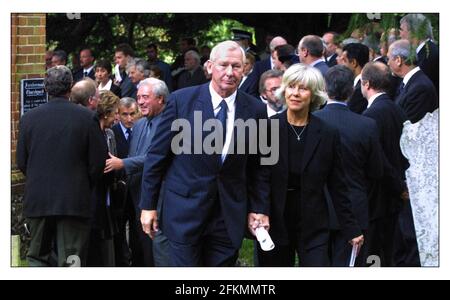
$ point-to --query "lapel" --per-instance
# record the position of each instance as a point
(313, 139)
(135, 145)
(203, 103)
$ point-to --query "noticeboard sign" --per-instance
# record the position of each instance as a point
(32, 94)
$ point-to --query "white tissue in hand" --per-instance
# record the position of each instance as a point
(264, 239)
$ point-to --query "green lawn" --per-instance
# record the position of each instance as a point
(246, 254)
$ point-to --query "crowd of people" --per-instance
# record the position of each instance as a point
(105, 184)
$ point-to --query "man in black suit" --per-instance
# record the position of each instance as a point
(123, 132)
(416, 95)
(361, 155)
(417, 29)
(87, 65)
(263, 66)
(61, 152)
(123, 129)
(355, 56)
(329, 38)
(310, 52)
(387, 195)
(208, 198)
(193, 73)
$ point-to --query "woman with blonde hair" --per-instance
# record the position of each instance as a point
(310, 161)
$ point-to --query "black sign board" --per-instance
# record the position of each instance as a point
(32, 94)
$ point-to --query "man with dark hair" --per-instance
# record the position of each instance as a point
(87, 65)
(416, 94)
(361, 154)
(59, 58)
(152, 56)
(355, 56)
(310, 52)
(122, 54)
(388, 193)
(329, 38)
(61, 151)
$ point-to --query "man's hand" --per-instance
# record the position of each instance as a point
(149, 221)
(114, 163)
(257, 220)
(359, 241)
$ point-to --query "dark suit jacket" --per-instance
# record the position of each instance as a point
(134, 163)
(128, 89)
(428, 61)
(116, 90)
(361, 154)
(79, 74)
(249, 85)
(385, 195)
(121, 142)
(322, 67)
(61, 150)
(193, 181)
(357, 103)
(321, 165)
(186, 79)
(332, 61)
(253, 78)
(418, 97)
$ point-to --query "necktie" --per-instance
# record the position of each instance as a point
(128, 135)
(400, 90)
(222, 117)
(85, 74)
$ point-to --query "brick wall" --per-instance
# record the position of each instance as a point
(27, 61)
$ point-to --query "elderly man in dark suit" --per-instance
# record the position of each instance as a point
(387, 195)
(417, 29)
(152, 94)
(61, 151)
(416, 94)
(208, 198)
(361, 155)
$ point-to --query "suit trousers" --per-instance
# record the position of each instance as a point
(214, 249)
(285, 255)
(381, 238)
(69, 234)
(406, 252)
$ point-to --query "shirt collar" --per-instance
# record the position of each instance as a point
(316, 62)
(124, 129)
(331, 101)
(421, 46)
(217, 99)
(410, 74)
(371, 99)
(88, 70)
(357, 78)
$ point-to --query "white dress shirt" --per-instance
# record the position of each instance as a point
(410, 74)
(357, 78)
(86, 71)
(106, 87)
(231, 105)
